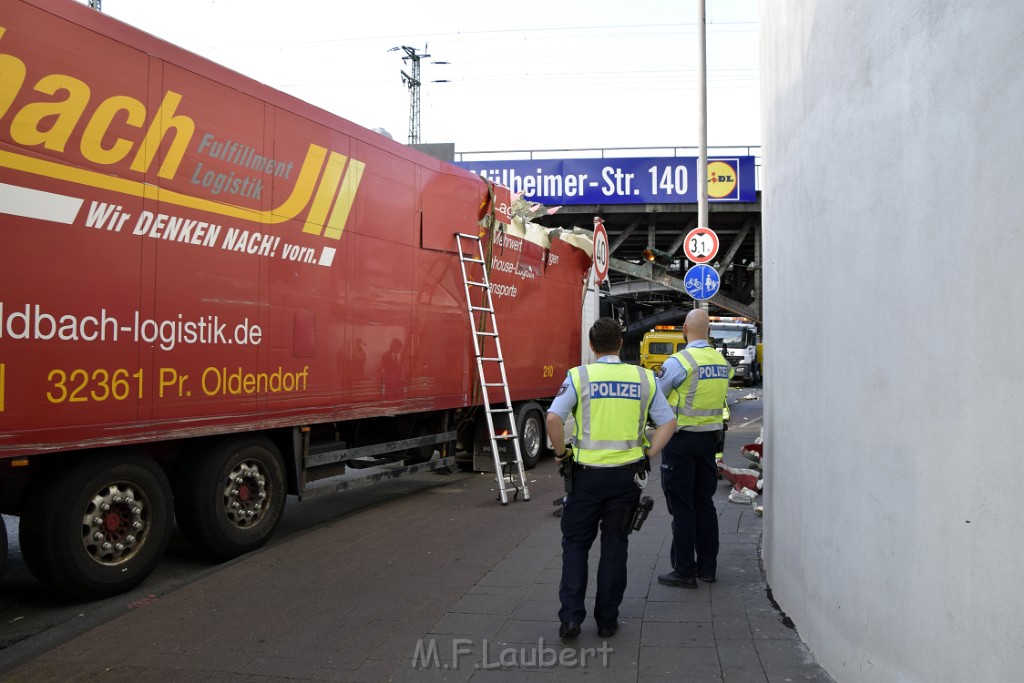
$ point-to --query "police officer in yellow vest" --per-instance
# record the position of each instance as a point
(696, 383)
(611, 402)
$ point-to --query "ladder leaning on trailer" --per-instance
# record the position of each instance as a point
(490, 365)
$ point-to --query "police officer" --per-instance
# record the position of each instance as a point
(611, 402)
(696, 383)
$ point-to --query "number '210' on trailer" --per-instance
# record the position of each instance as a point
(214, 295)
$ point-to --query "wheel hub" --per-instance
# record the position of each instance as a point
(531, 438)
(244, 493)
(114, 525)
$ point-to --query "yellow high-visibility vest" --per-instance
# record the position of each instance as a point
(612, 401)
(699, 400)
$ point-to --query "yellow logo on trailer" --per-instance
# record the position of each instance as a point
(30, 126)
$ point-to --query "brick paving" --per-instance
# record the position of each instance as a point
(445, 584)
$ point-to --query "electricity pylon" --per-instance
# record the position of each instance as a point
(413, 83)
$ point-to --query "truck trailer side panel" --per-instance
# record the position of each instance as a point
(203, 276)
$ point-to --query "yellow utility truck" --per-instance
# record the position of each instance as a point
(735, 337)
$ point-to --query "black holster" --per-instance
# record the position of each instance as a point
(642, 467)
(566, 470)
(639, 516)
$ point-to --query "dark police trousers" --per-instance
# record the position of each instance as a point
(605, 496)
(689, 479)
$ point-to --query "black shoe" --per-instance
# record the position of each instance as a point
(678, 580)
(568, 630)
(707, 578)
(607, 632)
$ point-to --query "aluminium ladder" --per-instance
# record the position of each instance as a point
(489, 365)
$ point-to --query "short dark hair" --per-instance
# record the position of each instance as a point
(606, 336)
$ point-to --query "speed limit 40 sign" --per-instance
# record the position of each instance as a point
(600, 251)
(701, 245)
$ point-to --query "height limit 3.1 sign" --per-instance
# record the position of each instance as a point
(701, 245)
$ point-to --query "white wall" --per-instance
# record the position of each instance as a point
(893, 222)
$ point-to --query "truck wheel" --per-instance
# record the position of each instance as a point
(228, 501)
(100, 528)
(531, 437)
(415, 456)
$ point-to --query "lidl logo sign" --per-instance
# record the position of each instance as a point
(721, 179)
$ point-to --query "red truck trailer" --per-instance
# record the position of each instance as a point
(213, 295)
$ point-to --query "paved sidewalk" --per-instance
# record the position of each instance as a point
(445, 584)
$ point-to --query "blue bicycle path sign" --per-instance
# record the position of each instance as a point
(702, 282)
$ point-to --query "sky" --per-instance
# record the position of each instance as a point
(530, 75)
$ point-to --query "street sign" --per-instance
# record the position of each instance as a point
(701, 282)
(701, 245)
(621, 181)
(601, 254)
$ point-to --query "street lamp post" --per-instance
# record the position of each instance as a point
(702, 124)
(702, 120)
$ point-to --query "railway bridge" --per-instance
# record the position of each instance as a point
(647, 199)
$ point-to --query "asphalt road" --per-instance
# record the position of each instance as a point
(34, 619)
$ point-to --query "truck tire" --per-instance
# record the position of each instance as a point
(415, 456)
(100, 528)
(229, 500)
(530, 428)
